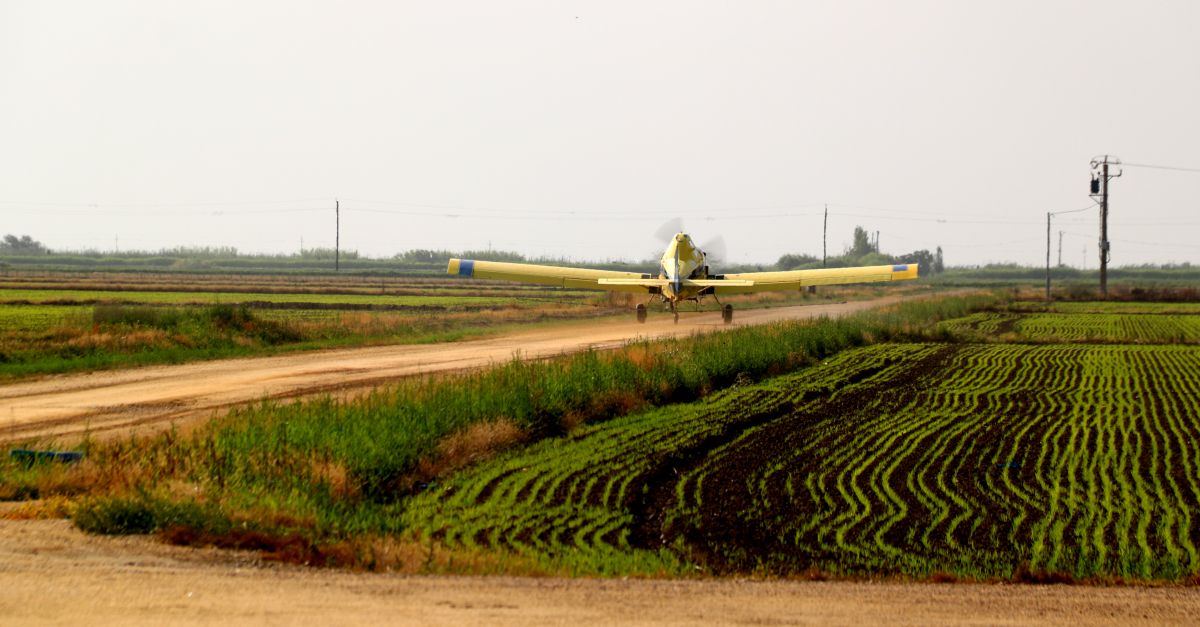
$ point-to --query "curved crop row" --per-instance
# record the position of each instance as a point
(973, 459)
(1102, 327)
(604, 491)
(993, 458)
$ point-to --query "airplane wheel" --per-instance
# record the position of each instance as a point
(641, 313)
(727, 314)
(676, 317)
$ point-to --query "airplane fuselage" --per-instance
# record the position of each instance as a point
(682, 260)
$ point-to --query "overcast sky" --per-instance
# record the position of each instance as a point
(575, 129)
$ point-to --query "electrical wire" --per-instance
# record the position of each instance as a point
(1160, 167)
(762, 212)
(1059, 213)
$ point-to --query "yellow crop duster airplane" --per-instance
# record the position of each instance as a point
(683, 275)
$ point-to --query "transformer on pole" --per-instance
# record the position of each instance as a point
(1101, 173)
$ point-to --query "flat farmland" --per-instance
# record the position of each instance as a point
(40, 318)
(906, 442)
(61, 322)
(1109, 322)
(54, 323)
(1063, 460)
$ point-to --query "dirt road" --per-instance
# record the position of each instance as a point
(52, 574)
(115, 402)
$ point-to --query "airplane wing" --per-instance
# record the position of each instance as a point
(579, 278)
(798, 279)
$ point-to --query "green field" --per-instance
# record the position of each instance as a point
(37, 318)
(55, 322)
(1108, 307)
(60, 322)
(184, 298)
(977, 460)
(954, 438)
(1110, 322)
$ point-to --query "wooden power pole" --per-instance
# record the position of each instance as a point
(825, 237)
(1100, 187)
(337, 235)
(1048, 214)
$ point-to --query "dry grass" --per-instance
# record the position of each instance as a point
(640, 355)
(336, 476)
(54, 507)
(415, 555)
(477, 442)
(56, 480)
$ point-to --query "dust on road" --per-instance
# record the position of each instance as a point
(116, 402)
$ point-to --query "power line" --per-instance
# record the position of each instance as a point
(230, 203)
(1158, 244)
(747, 212)
(1059, 213)
(1160, 167)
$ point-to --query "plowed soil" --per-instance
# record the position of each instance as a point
(114, 403)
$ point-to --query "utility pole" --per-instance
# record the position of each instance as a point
(825, 237)
(337, 235)
(812, 289)
(1051, 214)
(876, 241)
(1048, 214)
(1100, 186)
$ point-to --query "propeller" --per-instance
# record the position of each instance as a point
(668, 229)
(714, 250)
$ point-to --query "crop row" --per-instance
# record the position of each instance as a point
(1108, 307)
(601, 494)
(1142, 328)
(1064, 458)
(972, 459)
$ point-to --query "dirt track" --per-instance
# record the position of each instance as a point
(115, 402)
(53, 574)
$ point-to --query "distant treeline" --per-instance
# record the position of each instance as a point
(29, 254)
(1007, 274)
(26, 253)
(24, 245)
(864, 252)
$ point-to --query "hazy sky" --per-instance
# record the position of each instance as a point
(575, 129)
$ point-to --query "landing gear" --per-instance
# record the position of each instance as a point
(641, 313)
(727, 314)
(675, 312)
